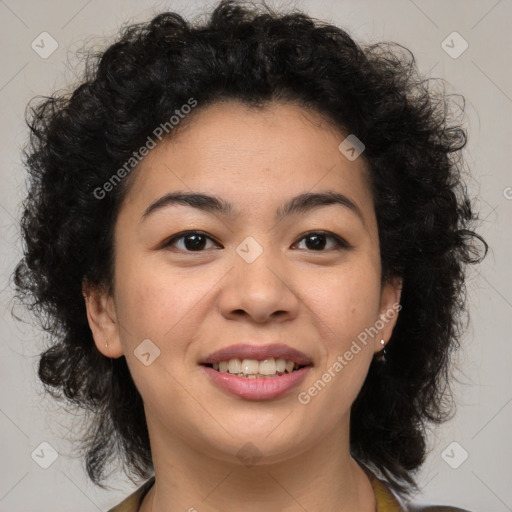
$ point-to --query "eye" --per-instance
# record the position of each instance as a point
(197, 241)
(317, 241)
(189, 241)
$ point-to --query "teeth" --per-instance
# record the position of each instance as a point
(268, 367)
(252, 368)
(234, 366)
(249, 366)
(280, 365)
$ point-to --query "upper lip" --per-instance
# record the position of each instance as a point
(259, 352)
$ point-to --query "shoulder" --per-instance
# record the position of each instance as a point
(387, 501)
(133, 501)
(435, 508)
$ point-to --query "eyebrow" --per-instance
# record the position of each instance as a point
(211, 204)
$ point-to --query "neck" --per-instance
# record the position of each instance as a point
(324, 478)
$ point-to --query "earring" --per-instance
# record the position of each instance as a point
(382, 355)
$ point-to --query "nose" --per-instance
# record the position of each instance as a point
(262, 290)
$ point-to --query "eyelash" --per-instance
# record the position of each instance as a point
(339, 242)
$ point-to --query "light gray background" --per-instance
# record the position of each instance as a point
(482, 74)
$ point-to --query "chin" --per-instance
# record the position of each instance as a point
(265, 445)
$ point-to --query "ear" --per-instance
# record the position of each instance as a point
(389, 309)
(102, 318)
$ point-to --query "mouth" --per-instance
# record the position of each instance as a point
(257, 361)
(256, 372)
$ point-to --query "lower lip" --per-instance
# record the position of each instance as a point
(257, 389)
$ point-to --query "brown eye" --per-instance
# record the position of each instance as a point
(319, 240)
(190, 241)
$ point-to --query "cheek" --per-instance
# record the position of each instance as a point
(156, 305)
(345, 301)
(344, 307)
(151, 301)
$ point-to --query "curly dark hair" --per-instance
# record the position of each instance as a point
(253, 55)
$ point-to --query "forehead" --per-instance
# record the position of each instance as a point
(252, 158)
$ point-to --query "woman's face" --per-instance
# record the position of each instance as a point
(272, 268)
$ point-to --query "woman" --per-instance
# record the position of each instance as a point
(248, 239)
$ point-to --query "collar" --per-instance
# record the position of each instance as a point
(386, 500)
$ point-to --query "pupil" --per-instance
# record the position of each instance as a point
(319, 242)
(198, 242)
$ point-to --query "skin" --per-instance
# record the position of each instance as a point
(190, 304)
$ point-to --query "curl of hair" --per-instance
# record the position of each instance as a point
(424, 215)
